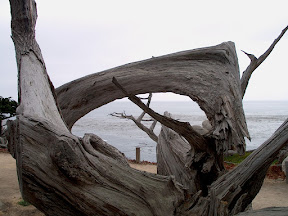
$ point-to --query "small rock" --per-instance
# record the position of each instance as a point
(283, 165)
(206, 124)
(200, 129)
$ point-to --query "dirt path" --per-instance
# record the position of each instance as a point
(9, 190)
(273, 192)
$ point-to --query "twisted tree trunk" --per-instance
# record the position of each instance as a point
(62, 174)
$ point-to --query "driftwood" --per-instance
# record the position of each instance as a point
(172, 157)
(62, 174)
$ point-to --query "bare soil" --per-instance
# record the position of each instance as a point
(9, 190)
(273, 192)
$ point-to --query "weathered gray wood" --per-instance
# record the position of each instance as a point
(179, 157)
(172, 157)
(256, 62)
(204, 163)
(209, 76)
(65, 175)
(62, 174)
(251, 171)
(233, 192)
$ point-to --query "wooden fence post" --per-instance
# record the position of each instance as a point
(137, 154)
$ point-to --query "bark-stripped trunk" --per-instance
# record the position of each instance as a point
(62, 174)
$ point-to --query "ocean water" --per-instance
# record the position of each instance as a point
(263, 118)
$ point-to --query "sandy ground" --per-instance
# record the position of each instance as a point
(9, 190)
(272, 193)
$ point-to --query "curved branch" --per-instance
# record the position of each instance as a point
(59, 172)
(209, 76)
(233, 192)
(255, 62)
(62, 174)
(246, 179)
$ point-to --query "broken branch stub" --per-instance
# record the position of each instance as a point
(255, 62)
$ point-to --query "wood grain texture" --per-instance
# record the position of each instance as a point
(209, 76)
(62, 174)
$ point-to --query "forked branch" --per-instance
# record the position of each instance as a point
(147, 104)
(182, 128)
(149, 131)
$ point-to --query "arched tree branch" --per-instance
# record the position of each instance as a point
(182, 128)
(63, 174)
(209, 76)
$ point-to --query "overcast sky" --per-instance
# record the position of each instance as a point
(83, 37)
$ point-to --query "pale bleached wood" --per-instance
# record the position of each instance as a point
(233, 192)
(172, 157)
(237, 183)
(209, 76)
(62, 174)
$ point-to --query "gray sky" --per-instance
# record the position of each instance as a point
(78, 38)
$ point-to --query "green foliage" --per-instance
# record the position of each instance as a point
(236, 159)
(7, 106)
(23, 203)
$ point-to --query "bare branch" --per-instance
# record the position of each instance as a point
(256, 62)
(148, 104)
(148, 131)
(121, 115)
(183, 128)
(153, 124)
(62, 174)
(250, 56)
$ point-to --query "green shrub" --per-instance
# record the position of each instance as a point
(23, 203)
(236, 159)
